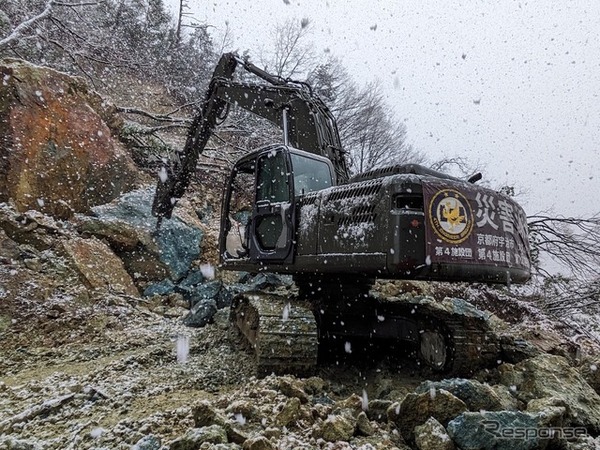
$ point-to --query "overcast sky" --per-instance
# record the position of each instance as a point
(513, 85)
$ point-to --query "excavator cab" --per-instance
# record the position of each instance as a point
(259, 204)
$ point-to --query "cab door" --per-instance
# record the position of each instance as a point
(272, 231)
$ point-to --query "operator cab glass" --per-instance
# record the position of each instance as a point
(239, 209)
(310, 174)
(272, 182)
(273, 196)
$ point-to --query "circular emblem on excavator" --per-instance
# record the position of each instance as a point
(451, 216)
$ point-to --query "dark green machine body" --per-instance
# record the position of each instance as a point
(404, 222)
(298, 212)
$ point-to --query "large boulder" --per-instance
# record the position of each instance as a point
(432, 436)
(501, 430)
(201, 314)
(477, 396)
(148, 254)
(29, 228)
(551, 376)
(57, 153)
(195, 437)
(38, 240)
(98, 266)
(337, 427)
(416, 409)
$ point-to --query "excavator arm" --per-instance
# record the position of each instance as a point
(306, 121)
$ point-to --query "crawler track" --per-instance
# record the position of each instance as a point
(282, 333)
(451, 336)
(471, 344)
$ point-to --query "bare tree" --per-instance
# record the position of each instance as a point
(374, 138)
(572, 242)
(105, 39)
(182, 12)
(61, 34)
(293, 54)
(291, 57)
(563, 294)
(369, 130)
(462, 167)
(224, 40)
(25, 27)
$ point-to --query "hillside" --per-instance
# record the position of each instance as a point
(101, 350)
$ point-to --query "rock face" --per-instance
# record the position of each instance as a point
(590, 369)
(57, 154)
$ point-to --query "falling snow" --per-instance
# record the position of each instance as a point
(285, 315)
(208, 271)
(239, 418)
(162, 174)
(348, 347)
(432, 393)
(96, 432)
(183, 349)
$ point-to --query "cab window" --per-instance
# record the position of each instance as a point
(272, 182)
(310, 174)
(239, 210)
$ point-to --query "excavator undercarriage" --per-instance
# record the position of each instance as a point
(281, 332)
(292, 333)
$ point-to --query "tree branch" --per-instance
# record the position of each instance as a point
(72, 57)
(24, 26)
(156, 117)
(571, 241)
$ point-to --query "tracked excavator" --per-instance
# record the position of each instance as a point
(293, 208)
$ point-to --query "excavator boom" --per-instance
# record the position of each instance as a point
(307, 123)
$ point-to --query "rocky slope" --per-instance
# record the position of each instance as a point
(101, 351)
(96, 367)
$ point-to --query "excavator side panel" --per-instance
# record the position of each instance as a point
(405, 226)
(474, 233)
(407, 232)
